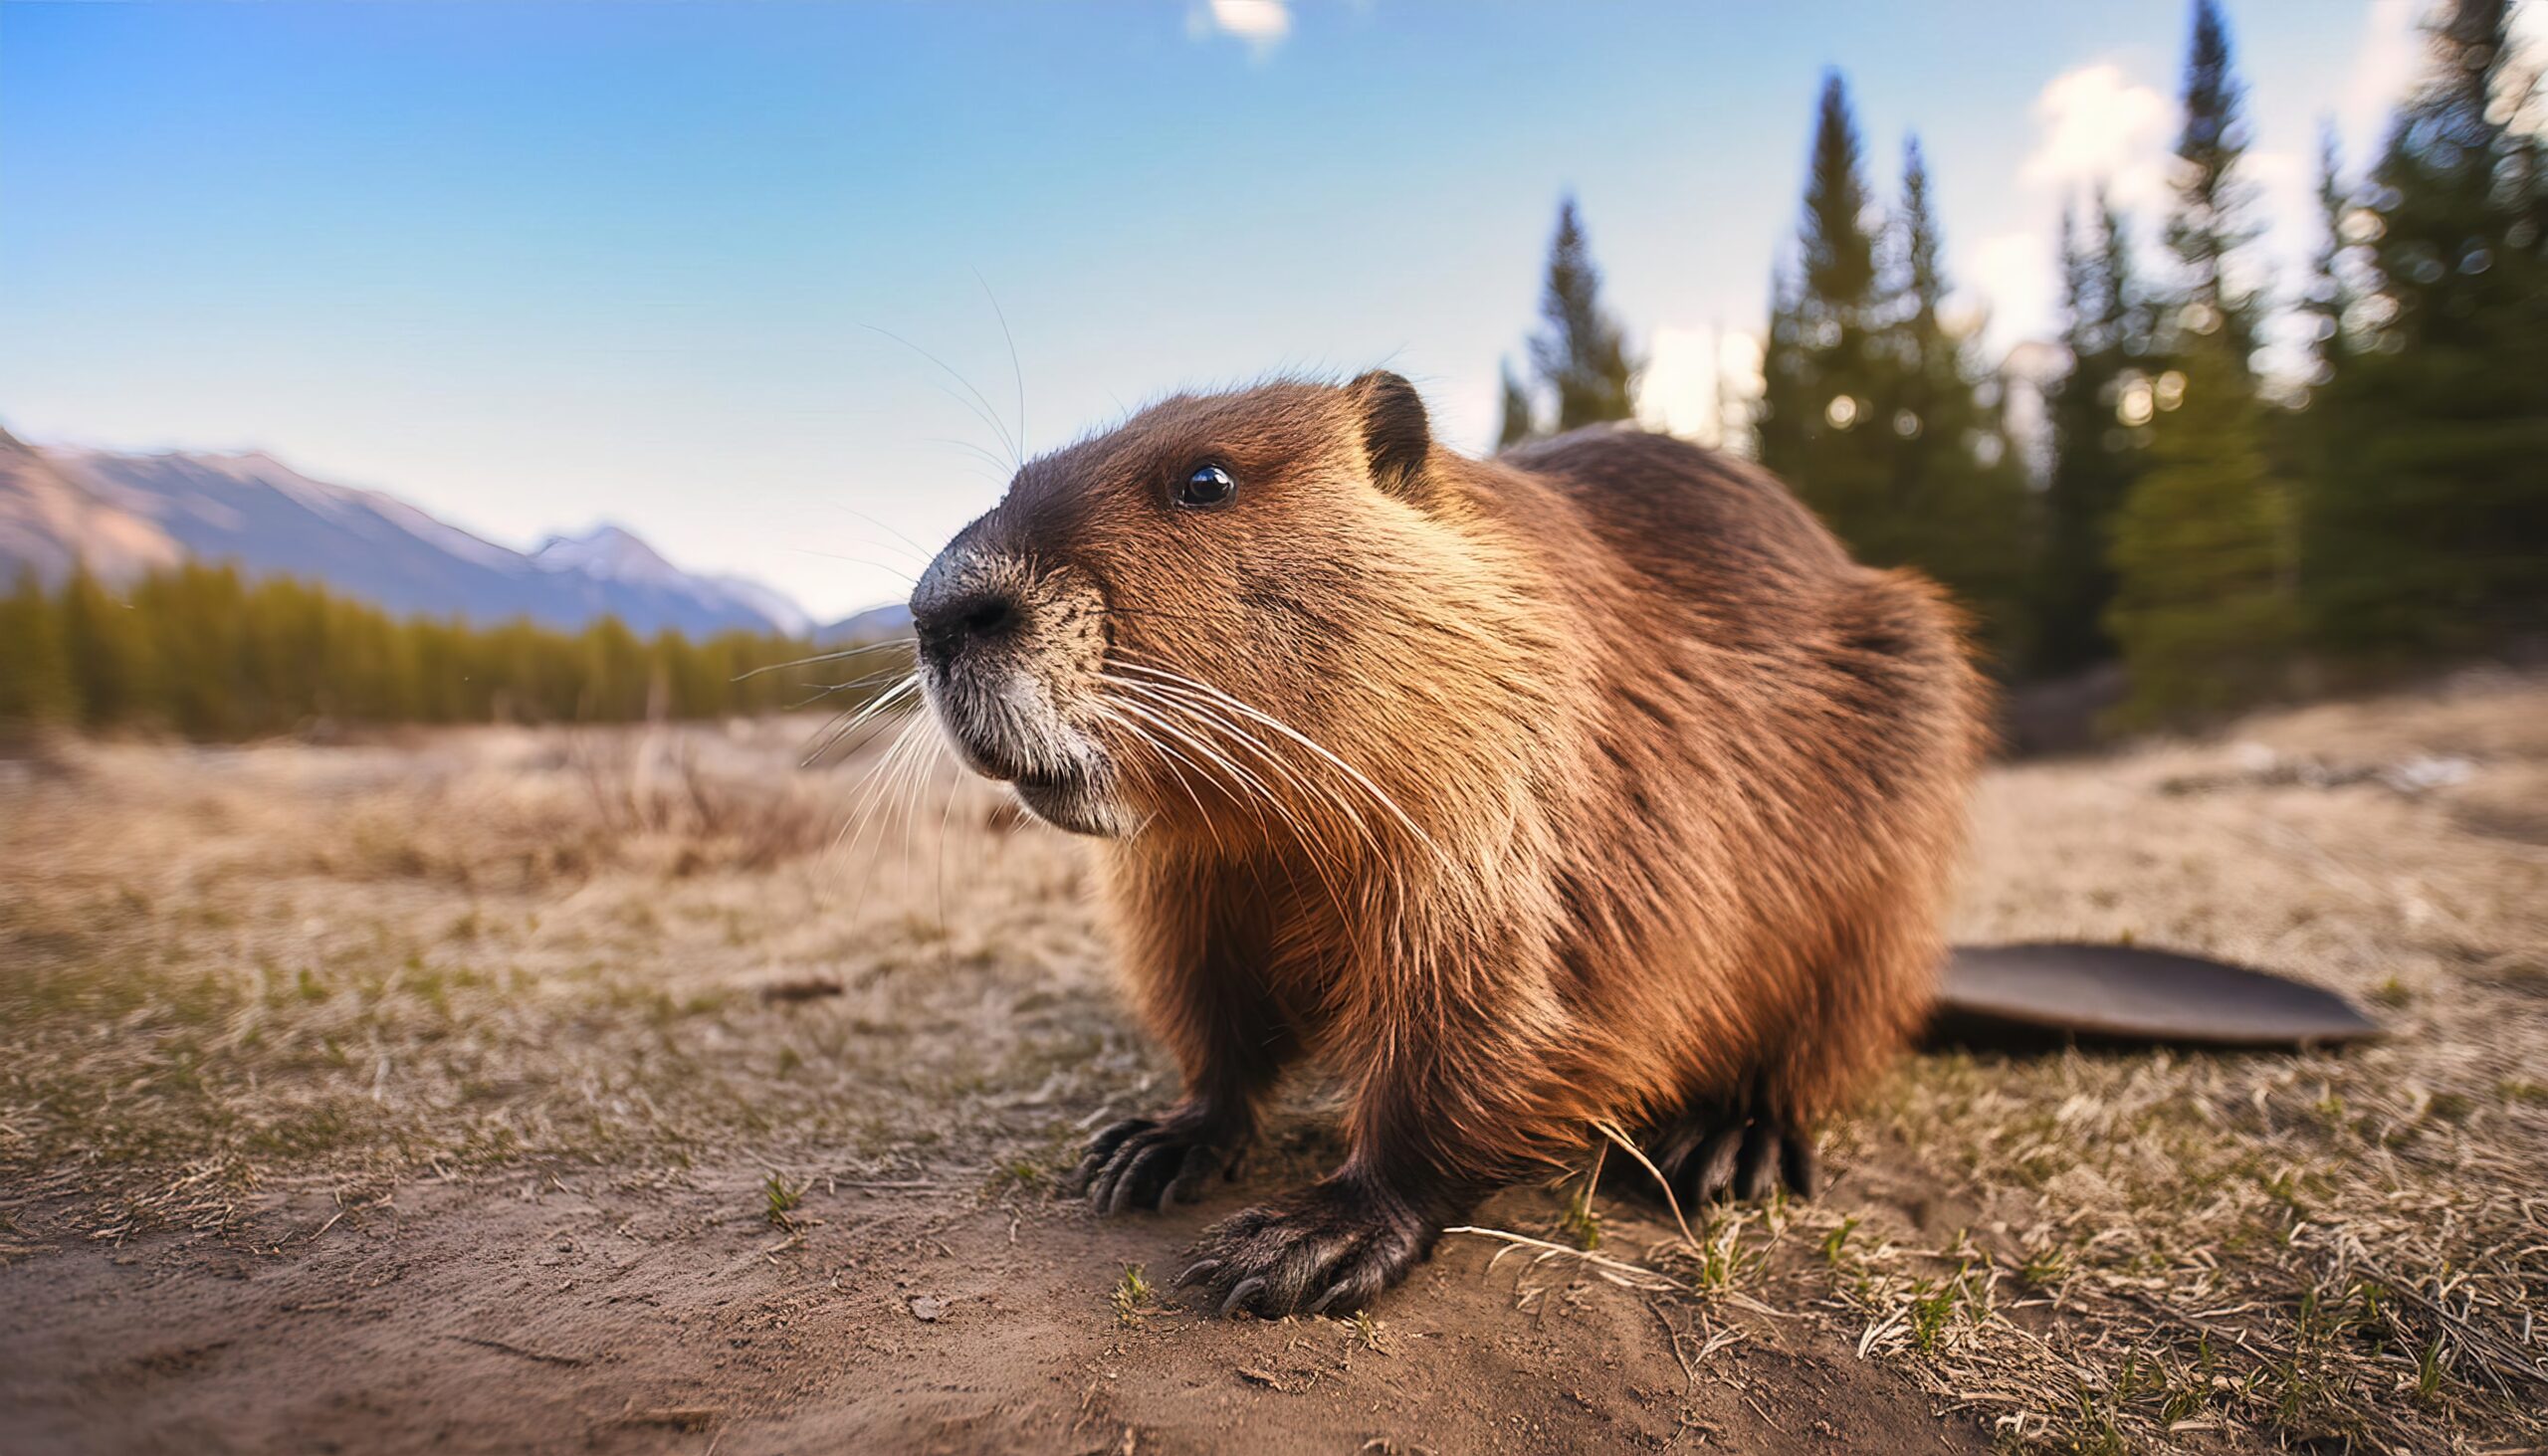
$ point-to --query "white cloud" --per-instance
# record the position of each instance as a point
(1679, 389)
(2094, 124)
(2385, 64)
(2017, 272)
(1262, 24)
(2099, 124)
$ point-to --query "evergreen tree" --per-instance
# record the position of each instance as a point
(193, 618)
(108, 649)
(2428, 528)
(2330, 296)
(2203, 610)
(1825, 380)
(1957, 505)
(1581, 355)
(2096, 453)
(1779, 417)
(2213, 219)
(201, 650)
(1519, 422)
(2324, 307)
(35, 684)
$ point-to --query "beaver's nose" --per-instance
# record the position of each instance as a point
(947, 624)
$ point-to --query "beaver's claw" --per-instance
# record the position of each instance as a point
(1329, 1249)
(1736, 1157)
(1149, 1163)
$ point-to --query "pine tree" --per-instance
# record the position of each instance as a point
(2330, 296)
(1518, 422)
(1956, 506)
(2203, 610)
(1779, 416)
(2212, 221)
(2325, 309)
(35, 676)
(193, 618)
(2427, 529)
(200, 650)
(1825, 380)
(1582, 356)
(113, 669)
(2096, 454)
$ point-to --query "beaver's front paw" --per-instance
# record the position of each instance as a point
(1147, 1162)
(1327, 1249)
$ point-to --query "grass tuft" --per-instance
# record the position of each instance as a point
(780, 1201)
(1132, 1297)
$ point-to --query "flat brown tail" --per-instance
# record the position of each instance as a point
(2047, 994)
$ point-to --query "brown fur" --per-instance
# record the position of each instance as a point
(1683, 785)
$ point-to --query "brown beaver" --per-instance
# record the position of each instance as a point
(1590, 784)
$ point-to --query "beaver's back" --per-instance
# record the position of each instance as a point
(1670, 545)
(1777, 756)
(1696, 523)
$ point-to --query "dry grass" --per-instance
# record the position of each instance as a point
(222, 968)
(2112, 1251)
(226, 972)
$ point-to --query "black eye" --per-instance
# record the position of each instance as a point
(1208, 486)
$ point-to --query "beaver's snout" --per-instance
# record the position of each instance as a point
(948, 622)
(1006, 655)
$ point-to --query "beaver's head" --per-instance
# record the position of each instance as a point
(1210, 606)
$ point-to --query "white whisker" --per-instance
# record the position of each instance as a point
(1322, 856)
(1107, 709)
(871, 790)
(1256, 714)
(887, 698)
(779, 666)
(1203, 715)
(1205, 710)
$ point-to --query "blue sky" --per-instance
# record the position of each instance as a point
(530, 266)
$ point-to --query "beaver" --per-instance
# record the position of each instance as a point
(1592, 786)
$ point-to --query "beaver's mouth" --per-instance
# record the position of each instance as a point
(1003, 730)
(1051, 779)
(1070, 801)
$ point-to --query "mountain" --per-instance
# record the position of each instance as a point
(616, 558)
(875, 624)
(126, 514)
(47, 522)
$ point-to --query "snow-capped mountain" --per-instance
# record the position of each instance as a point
(124, 513)
(616, 557)
(875, 624)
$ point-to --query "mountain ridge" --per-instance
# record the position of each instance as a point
(126, 514)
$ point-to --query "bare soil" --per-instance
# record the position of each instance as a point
(504, 1091)
(582, 1316)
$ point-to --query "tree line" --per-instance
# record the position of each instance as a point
(2215, 531)
(202, 651)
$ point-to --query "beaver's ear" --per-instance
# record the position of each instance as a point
(1397, 436)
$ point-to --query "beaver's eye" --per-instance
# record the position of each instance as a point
(1208, 486)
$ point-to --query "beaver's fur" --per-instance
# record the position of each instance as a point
(1633, 799)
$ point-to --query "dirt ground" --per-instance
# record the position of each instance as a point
(634, 1090)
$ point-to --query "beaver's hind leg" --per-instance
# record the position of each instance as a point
(1734, 1149)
